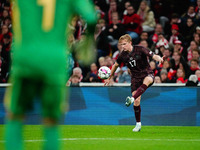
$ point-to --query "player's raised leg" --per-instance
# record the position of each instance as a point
(146, 82)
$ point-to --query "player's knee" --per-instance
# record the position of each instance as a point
(148, 81)
(136, 103)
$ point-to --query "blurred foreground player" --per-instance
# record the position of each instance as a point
(142, 76)
(39, 64)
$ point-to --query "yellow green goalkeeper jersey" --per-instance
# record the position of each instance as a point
(40, 33)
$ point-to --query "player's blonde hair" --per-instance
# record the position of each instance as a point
(126, 37)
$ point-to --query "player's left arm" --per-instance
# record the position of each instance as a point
(154, 56)
(158, 58)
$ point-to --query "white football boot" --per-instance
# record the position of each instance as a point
(137, 127)
(129, 101)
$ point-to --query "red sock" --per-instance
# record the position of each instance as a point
(137, 110)
(140, 91)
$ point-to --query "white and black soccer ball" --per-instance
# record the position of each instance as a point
(104, 72)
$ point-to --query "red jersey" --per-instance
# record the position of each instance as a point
(134, 18)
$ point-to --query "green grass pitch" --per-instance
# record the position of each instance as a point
(107, 137)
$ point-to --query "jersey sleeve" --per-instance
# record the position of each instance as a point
(86, 9)
(147, 52)
(119, 59)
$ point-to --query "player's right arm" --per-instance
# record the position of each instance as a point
(154, 56)
(114, 68)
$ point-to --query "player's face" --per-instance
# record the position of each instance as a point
(126, 46)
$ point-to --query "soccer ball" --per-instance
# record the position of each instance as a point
(104, 72)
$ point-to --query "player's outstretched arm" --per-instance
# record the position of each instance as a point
(114, 67)
(158, 58)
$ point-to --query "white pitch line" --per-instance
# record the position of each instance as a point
(127, 139)
(115, 139)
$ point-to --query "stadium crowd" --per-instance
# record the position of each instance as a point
(166, 27)
(5, 39)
